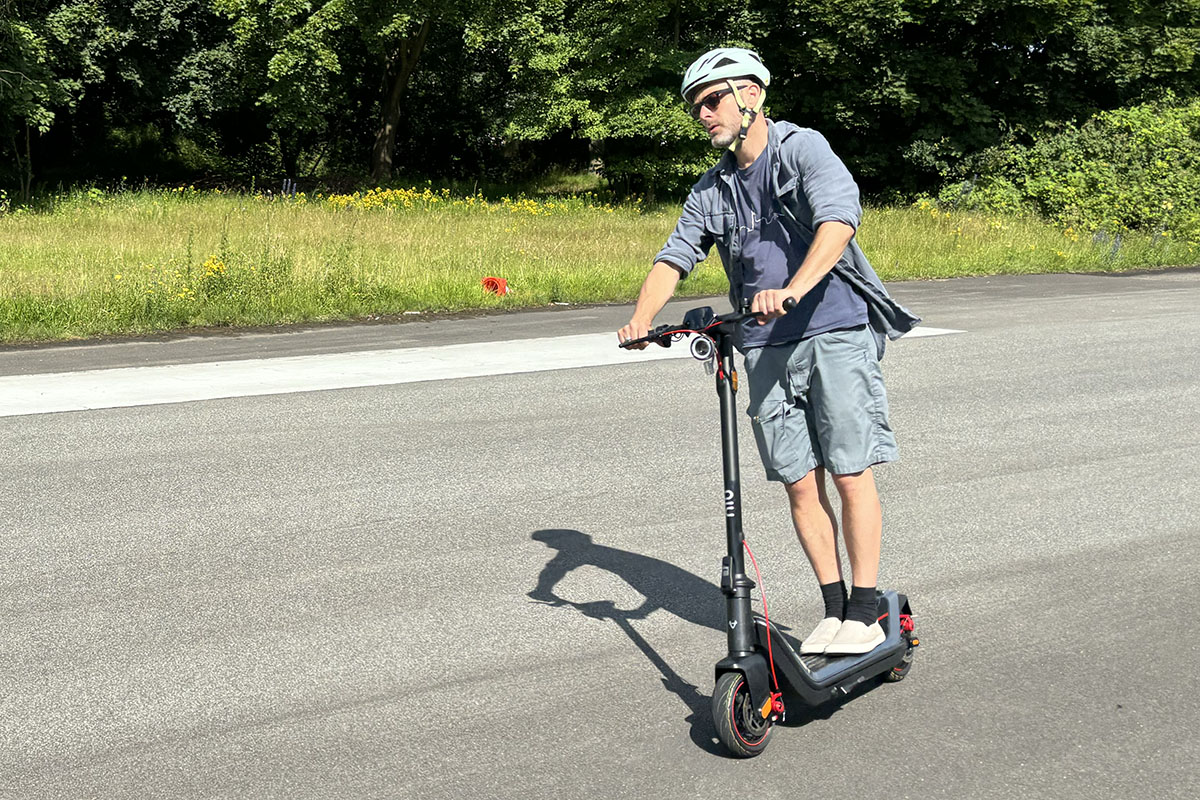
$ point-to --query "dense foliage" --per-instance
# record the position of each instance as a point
(349, 91)
(1133, 168)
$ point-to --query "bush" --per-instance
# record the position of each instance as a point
(634, 168)
(1134, 168)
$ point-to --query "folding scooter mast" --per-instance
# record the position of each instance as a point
(734, 582)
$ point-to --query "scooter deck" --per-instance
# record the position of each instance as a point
(819, 678)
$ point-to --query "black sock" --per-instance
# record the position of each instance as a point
(862, 606)
(834, 595)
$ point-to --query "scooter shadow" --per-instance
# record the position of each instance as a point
(665, 586)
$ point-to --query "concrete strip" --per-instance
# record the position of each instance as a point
(182, 383)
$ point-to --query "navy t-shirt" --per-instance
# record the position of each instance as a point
(768, 261)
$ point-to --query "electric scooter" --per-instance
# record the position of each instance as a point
(762, 664)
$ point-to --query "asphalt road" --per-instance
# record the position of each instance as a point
(325, 594)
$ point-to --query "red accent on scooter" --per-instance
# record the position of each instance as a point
(763, 593)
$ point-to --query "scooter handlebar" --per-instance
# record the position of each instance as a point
(663, 334)
(660, 336)
(789, 305)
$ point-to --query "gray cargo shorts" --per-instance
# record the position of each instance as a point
(819, 402)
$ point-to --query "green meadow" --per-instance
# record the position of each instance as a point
(96, 263)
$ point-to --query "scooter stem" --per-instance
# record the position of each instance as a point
(734, 583)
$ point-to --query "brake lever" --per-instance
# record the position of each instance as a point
(655, 336)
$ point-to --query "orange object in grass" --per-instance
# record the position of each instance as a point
(495, 285)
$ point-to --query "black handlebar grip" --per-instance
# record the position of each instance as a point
(789, 304)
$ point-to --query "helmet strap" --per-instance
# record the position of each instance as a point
(748, 114)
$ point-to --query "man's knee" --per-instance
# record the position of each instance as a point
(855, 484)
(804, 491)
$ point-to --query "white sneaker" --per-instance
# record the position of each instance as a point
(821, 636)
(854, 638)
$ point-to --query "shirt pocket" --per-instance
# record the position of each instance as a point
(719, 225)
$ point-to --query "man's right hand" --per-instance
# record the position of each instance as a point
(636, 329)
(656, 291)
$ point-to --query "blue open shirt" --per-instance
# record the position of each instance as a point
(811, 185)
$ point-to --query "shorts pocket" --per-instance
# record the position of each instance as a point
(772, 435)
(856, 337)
(768, 411)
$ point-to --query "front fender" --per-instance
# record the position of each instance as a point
(757, 672)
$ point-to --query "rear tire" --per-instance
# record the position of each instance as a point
(740, 726)
(898, 672)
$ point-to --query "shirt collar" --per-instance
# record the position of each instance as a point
(728, 163)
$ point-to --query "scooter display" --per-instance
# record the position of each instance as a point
(762, 666)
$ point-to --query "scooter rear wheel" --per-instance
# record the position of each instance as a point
(740, 726)
(898, 672)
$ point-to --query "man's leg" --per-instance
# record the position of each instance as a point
(862, 525)
(849, 420)
(816, 527)
(862, 522)
(816, 524)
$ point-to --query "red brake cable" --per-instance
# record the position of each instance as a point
(776, 696)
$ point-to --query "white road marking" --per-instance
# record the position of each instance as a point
(182, 383)
(922, 331)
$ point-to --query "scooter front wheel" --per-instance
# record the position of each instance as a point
(740, 726)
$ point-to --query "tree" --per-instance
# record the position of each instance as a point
(105, 68)
(306, 59)
(910, 89)
(907, 90)
(610, 72)
(29, 90)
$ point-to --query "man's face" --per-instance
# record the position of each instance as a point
(723, 122)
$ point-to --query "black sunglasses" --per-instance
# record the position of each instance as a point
(712, 101)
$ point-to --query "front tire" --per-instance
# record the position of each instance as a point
(740, 726)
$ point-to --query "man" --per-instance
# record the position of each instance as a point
(783, 210)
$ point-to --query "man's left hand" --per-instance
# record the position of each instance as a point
(769, 303)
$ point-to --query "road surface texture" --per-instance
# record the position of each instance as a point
(326, 594)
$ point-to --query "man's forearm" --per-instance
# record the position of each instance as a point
(657, 289)
(827, 247)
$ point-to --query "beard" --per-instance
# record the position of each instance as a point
(721, 138)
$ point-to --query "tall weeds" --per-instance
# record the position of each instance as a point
(99, 263)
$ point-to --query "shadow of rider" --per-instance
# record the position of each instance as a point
(665, 586)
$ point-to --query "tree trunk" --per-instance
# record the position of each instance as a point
(25, 167)
(289, 156)
(399, 70)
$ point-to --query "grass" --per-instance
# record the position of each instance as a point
(136, 262)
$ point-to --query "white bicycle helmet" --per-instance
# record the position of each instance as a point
(724, 63)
